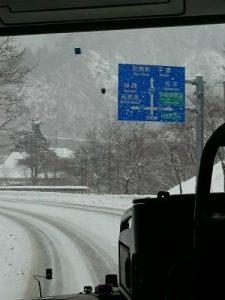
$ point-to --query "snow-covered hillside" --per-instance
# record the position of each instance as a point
(64, 89)
(217, 184)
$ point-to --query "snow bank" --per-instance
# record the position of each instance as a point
(122, 202)
(189, 185)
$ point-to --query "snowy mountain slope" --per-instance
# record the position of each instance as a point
(64, 90)
(70, 100)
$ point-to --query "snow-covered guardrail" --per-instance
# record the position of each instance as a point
(60, 189)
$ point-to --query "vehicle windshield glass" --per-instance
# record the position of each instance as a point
(89, 122)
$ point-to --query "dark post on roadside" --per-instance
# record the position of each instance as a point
(199, 82)
(224, 97)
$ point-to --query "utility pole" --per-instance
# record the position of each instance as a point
(55, 159)
(199, 83)
(200, 118)
(34, 160)
(224, 97)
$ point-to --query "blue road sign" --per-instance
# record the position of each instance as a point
(151, 93)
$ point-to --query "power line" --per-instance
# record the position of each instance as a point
(213, 85)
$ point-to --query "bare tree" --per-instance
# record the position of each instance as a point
(123, 158)
(108, 153)
(13, 73)
(4, 173)
(89, 162)
(175, 161)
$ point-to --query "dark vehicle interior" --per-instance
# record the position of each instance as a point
(170, 247)
(23, 17)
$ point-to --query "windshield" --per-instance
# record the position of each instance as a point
(89, 122)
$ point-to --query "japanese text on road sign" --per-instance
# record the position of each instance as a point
(151, 93)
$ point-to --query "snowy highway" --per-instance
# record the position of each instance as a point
(75, 235)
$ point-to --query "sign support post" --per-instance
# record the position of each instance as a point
(199, 83)
(200, 118)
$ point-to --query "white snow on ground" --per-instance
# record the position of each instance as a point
(109, 201)
(15, 257)
(66, 264)
(217, 184)
(99, 228)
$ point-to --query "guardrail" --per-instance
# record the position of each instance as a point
(59, 189)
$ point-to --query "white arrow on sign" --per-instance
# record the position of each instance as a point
(152, 108)
(135, 107)
(167, 109)
(152, 90)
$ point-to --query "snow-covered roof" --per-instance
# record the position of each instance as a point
(11, 167)
(63, 152)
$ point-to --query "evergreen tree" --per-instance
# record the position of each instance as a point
(36, 149)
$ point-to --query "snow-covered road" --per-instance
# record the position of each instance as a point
(75, 235)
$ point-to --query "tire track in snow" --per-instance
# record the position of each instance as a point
(100, 209)
(98, 261)
(43, 251)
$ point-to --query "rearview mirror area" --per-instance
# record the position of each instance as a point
(26, 17)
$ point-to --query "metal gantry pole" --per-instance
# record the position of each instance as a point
(199, 83)
(224, 97)
(200, 118)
